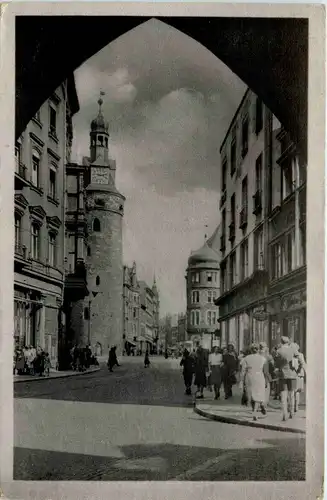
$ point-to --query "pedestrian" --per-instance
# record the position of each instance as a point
(263, 350)
(47, 364)
(301, 369)
(187, 362)
(230, 366)
(146, 359)
(254, 377)
(201, 366)
(287, 365)
(215, 368)
(112, 359)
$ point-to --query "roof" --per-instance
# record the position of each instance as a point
(204, 254)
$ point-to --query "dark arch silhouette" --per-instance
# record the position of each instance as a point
(96, 225)
(269, 54)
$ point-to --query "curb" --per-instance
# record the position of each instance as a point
(231, 420)
(39, 379)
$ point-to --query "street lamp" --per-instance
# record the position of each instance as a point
(89, 329)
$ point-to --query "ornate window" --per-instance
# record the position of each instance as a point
(35, 241)
(195, 296)
(36, 160)
(52, 181)
(52, 249)
(96, 225)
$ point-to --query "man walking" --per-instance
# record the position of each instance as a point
(287, 365)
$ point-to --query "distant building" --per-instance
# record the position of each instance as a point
(40, 155)
(262, 231)
(181, 331)
(131, 297)
(202, 288)
(149, 317)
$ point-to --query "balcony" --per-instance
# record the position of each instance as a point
(222, 243)
(243, 217)
(232, 231)
(223, 198)
(20, 175)
(43, 268)
(257, 202)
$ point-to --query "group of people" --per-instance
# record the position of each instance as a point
(213, 370)
(256, 370)
(31, 361)
(82, 358)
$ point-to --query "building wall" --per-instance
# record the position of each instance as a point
(38, 281)
(245, 314)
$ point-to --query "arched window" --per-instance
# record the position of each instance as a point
(86, 313)
(96, 225)
(97, 281)
(88, 251)
(106, 140)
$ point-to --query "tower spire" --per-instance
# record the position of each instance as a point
(100, 101)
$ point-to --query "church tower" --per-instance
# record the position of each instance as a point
(104, 212)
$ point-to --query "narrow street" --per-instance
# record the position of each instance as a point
(136, 424)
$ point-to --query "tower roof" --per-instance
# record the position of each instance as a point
(205, 254)
(99, 124)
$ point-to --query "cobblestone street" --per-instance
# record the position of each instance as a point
(136, 424)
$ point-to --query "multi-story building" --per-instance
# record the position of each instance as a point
(149, 317)
(131, 297)
(41, 153)
(202, 289)
(286, 295)
(251, 181)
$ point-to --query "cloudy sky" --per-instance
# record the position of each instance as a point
(169, 102)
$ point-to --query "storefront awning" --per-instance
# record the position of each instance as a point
(131, 343)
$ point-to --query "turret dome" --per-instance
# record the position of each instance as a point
(204, 255)
(99, 124)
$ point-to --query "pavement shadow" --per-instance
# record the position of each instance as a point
(281, 460)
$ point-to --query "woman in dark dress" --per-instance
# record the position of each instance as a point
(146, 359)
(201, 366)
(187, 362)
(230, 366)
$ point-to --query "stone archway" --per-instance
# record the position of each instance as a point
(269, 54)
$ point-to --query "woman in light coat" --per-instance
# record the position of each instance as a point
(254, 376)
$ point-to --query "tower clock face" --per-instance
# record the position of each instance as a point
(99, 175)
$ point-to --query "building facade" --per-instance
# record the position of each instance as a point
(202, 288)
(131, 297)
(40, 155)
(149, 318)
(251, 201)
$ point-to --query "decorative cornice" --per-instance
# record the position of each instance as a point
(54, 222)
(37, 211)
(36, 139)
(21, 200)
(53, 154)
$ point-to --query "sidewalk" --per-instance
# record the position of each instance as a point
(232, 412)
(53, 374)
